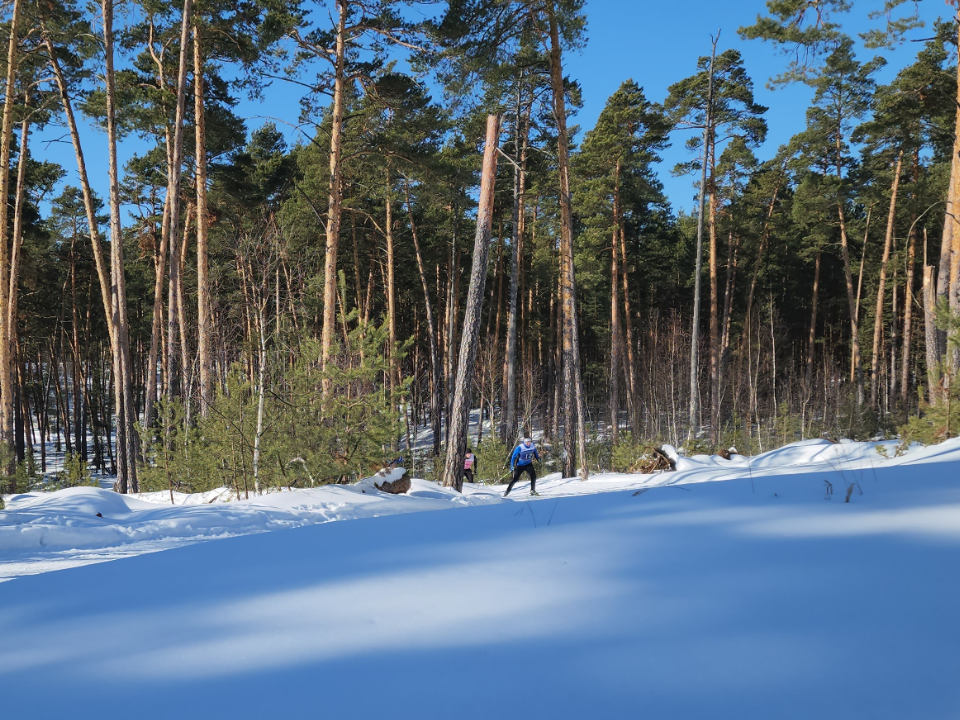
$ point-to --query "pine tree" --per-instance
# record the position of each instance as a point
(718, 100)
(615, 181)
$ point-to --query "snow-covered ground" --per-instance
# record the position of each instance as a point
(663, 596)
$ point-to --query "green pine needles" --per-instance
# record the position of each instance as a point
(304, 437)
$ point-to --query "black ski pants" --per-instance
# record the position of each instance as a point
(520, 470)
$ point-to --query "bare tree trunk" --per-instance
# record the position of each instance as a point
(508, 426)
(160, 270)
(459, 417)
(934, 359)
(946, 254)
(335, 195)
(6, 341)
(103, 272)
(450, 320)
(714, 299)
(435, 378)
(261, 393)
(391, 285)
(878, 313)
(951, 356)
(628, 359)
(12, 295)
(764, 238)
(695, 331)
(127, 443)
(204, 302)
(812, 335)
(615, 312)
(156, 332)
(908, 320)
(574, 408)
(733, 249)
(185, 361)
(173, 193)
(855, 368)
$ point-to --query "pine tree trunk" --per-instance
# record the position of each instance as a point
(6, 341)
(934, 359)
(574, 409)
(508, 426)
(450, 321)
(12, 294)
(127, 443)
(855, 368)
(182, 324)
(469, 344)
(615, 312)
(714, 300)
(156, 331)
(160, 270)
(100, 261)
(79, 440)
(946, 254)
(391, 285)
(435, 374)
(952, 355)
(173, 386)
(733, 249)
(908, 311)
(812, 334)
(758, 264)
(878, 312)
(628, 359)
(17, 241)
(204, 301)
(334, 210)
(694, 421)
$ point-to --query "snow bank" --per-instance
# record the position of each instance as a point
(47, 531)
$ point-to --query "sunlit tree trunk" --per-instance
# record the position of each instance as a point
(878, 313)
(573, 401)
(908, 298)
(714, 295)
(334, 210)
(470, 341)
(6, 136)
(508, 427)
(391, 284)
(127, 445)
(694, 419)
(204, 301)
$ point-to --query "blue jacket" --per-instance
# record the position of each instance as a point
(523, 455)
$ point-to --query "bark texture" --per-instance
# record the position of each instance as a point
(470, 340)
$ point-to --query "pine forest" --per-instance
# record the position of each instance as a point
(436, 255)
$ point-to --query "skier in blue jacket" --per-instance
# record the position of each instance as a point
(521, 461)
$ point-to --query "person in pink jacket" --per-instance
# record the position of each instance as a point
(469, 465)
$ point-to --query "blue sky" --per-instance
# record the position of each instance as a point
(658, 43)
(654, 43)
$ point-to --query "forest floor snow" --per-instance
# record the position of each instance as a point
(667, 596)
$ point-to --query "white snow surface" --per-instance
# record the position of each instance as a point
(664, 596)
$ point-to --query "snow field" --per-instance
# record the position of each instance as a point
(666, 596)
